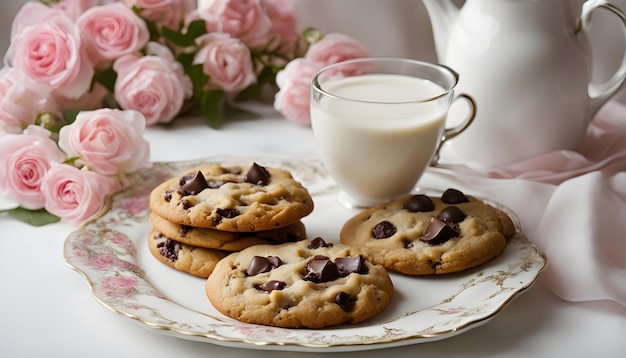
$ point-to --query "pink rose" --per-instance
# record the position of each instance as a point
(46, 47)
(107, 141)
(334, 48)
(110, 31)
(226, 60)
(169, 13)
(24, 162)
(246, 20)
(154, 85)
(283, 15)
(75, 194)
(294, 96)
(20, 100)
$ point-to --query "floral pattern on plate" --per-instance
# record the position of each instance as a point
(109, 251)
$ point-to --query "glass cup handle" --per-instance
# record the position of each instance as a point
(450, 133)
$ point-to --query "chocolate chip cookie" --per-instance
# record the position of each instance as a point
(246, 198)
(423, 235)
(197, 261)
(310, 284)
(227, 240)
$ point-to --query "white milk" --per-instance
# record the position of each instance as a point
(378, 144)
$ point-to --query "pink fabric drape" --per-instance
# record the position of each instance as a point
(572, 204)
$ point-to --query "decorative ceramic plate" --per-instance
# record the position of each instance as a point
(111, 252)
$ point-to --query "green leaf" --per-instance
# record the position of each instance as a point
(211, 101)
(33, 217)
(249, 93)
(106, 78)
(239, 113)
(153, 30)
(175, 37)
(70, 115)
(185, 39)
(211, 105)
(198, 79)
(196, 29)
(186, 60)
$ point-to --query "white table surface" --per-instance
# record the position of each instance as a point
(46, 308)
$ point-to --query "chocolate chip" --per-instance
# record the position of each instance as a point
(419, 203)
(318, 242)
(185, 178)
(184, 229)
(271, 286)
(350, 264)
(169, 249)
(437, 232)
(275, 261)
(345, 301)
(227, 213)
(257, 175)
(167, 195)
(193, 185)
(451, 215)
(453, 196)
(260, 264)
(186, 203)
(383, 230)
(321, 269)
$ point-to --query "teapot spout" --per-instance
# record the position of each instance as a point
(442, 14)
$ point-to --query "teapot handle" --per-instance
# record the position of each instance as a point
(599, 93)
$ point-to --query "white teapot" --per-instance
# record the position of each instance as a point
(527, 65)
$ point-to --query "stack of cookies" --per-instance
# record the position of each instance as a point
(204, 214)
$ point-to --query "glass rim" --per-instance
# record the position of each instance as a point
(315, 84)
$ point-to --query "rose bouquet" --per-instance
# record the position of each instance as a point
(82, 79)
(70, 178)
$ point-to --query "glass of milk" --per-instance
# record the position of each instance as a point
(380, 122)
